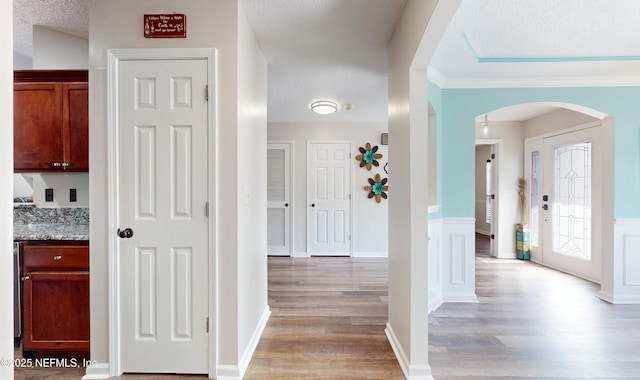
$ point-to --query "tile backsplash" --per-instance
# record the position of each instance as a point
(30, 214)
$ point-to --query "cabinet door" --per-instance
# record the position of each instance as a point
(76, 124)
(56, 311)
(38, 135)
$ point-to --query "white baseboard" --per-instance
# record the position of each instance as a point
(371, 254)
(411, 372)
(253, 343)
(97, 372)
(471, 298)
(435, 301)
(483, 232)
(300, 254)
(236, 372)
(618, 300)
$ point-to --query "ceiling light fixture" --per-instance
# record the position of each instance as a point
(324, 107)
(485, 124)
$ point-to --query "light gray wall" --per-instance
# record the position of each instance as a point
(210, 25)
(6, 190)
(370, 219)
(53, 50)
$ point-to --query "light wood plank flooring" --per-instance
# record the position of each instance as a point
(328, 317)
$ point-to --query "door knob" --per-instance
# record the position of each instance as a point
(313, 205)
(545, 206)
(286, 205)
(126, 233)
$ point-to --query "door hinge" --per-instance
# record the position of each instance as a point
(493, 236)
(206, 209)
(207, 324)
(493, 156)
(349, 196)
(206, 93)
(349, 237)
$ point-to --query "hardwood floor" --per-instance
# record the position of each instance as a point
(328, 319)
(328, 316)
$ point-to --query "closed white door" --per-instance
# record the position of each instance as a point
(329, 200)
(279, 204)
(570, 203)
(164, 228)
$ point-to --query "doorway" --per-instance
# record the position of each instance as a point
(279, 198)
(161, 180)
(565, 185)
(329, 198)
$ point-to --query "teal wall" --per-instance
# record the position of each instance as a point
(457, 108)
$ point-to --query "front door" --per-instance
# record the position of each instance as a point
(570, 208)
(163, 192)
(329, 208)
(279, 199)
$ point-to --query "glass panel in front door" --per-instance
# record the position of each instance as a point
(572, 200)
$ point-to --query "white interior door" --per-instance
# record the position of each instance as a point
(163, 192)
(279, 203)
(329, 189)
(570, 205)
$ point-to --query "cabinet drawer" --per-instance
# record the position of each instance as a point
(55, 257)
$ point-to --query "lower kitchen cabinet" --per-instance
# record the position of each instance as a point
(56, 298)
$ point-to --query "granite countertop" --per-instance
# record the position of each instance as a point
(50, 231)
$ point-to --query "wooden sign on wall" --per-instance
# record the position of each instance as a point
(165, 26)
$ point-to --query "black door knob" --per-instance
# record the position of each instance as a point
(286, 205)
(545, 206)
(313, 205)
(126, 233)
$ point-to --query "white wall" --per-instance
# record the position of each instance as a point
(6, 190)
(21, 62)
(414, 41)
(213, 25)
(554, 121)
(370, 234)
(34, 184)
(56, 50)
(253, 310)
(510, 161)
(483, 153)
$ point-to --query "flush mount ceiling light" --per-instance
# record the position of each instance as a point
(324, 107)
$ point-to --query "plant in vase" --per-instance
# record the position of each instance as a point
(522, 229)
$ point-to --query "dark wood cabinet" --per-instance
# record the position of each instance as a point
(56, 297)
(51, 121)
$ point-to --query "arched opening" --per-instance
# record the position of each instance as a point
(554, 151)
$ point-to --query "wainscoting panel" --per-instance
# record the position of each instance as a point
(435, 264)
(625, 265)
(458, 258)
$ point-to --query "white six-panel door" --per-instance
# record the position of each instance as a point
(162, 192)
(329, 199)
(279, 201)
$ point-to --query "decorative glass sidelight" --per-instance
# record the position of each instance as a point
(572, 200)
(534, 201)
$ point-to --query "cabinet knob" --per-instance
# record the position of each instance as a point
(57, 258)
(25, 278)
(65, 164)
(57, 164)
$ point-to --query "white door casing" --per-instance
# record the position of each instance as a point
(279, 198)
(329, 198)
(161, 141)
(571, 223)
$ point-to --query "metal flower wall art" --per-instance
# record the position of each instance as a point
(369, 157)
(377, 187)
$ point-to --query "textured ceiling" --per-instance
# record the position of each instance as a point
(66, 16)
(540, 43)
(325, 50)
(336, 49)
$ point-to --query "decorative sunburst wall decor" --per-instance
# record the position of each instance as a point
(377, 188)
(369, 157)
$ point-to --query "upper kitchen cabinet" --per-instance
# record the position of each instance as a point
(51, 121)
